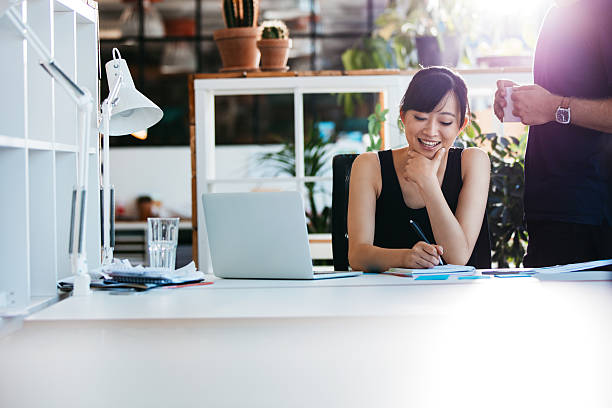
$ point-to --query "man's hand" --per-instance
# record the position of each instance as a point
(421, 170)
(500, 97)
(534, 104)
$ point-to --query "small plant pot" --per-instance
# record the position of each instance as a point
(274, 54)
(238, 48)
(430, 54)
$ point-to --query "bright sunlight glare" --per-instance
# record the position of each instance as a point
(509, 7)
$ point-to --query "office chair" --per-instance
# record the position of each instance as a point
(341, 168)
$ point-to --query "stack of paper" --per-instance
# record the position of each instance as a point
(576, 272)
(124, 272)
(582, 266)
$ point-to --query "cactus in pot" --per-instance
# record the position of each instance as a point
(274, 29)
(274, 46)
(237, 43)
(240, 13)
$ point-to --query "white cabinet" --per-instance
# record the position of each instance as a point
(39, 149)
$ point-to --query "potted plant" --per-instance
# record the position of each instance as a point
(409, 34)
(439, 27)
(274, 46)
(505, 202)
(238, 42)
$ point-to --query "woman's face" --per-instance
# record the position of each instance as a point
(427, 133)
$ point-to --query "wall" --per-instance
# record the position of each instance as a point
(163, 173)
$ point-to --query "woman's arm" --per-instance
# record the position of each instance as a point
(365, 186)
(457, 233)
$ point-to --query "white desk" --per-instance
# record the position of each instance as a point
(372, 341)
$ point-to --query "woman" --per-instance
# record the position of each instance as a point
(443, 189)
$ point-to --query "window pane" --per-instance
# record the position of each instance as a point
(334, 124)
(254, 135)
(317, 204)
(168, 91)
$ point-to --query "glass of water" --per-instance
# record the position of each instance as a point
(162, 238)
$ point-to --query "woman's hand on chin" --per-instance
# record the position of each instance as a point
(422, 170)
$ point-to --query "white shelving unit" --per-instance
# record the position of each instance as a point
(39, 150)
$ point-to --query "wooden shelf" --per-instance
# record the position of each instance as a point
(324, 73)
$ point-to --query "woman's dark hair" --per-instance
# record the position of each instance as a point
(428, 87)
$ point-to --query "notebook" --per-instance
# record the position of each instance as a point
(453, 270)
(260, 235)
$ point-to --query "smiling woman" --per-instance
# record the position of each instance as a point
(441, 188)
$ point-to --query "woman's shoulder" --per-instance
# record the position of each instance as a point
(473, 153)
(367, 167)
(367, 159)
(474, 159)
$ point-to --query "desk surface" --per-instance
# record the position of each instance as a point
(359, 342)
(366, 295)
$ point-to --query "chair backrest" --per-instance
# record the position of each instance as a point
(341, 167)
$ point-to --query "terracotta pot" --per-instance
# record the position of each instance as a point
(430, 54)
(274, 54)
(238, 48)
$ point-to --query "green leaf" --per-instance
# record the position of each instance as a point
(347, 59)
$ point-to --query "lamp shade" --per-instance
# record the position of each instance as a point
(131, 111)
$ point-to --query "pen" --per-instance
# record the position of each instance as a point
(419, 232)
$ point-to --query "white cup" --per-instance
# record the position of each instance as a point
(508, 116)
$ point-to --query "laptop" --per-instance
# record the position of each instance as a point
(260, 235)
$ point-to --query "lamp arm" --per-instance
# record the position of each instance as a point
(108, 222)
(78, 221)
(79, 95)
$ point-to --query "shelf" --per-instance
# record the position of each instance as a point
(66, 148)
(38, 150)
(20, 143)
(39, 145)
(9, 141)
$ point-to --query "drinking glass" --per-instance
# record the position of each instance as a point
(162, 238)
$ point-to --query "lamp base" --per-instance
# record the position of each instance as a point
(81, 285)
(107, 256)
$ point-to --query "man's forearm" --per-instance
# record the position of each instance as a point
(592, 114)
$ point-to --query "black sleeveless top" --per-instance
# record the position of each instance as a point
(392, 228)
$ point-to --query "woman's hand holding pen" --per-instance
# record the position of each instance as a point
(423, 255)
(421, 170)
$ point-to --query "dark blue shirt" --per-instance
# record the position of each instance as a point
(568, 168)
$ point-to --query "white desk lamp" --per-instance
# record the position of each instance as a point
(125, 111)
(82, 98)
